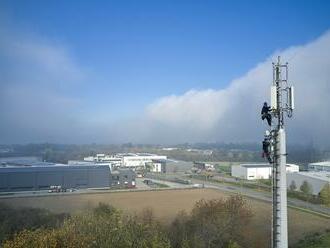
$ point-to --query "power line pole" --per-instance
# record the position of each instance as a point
(282, 100)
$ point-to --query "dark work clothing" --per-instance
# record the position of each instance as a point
(266, 151)
(265, 114)
(268, 118)
(265, 146)
(265, 109)
(266, 143)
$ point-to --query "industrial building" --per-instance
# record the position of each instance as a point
(113, 160)
(257, 171)
(319, 166)
(157, 166)
(122, 178)
(174, 166)
(134, 161)
(139, 160)
(32, 176)
(317, 180)
(204, 166)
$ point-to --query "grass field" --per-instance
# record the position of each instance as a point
(166, 204)
(315, 241)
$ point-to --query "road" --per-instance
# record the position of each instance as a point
(263, 195)
(259, 195)
(140, 186)
(172, 184)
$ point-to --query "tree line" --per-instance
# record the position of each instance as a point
(305, 192)
(239, 152)
(213, 223)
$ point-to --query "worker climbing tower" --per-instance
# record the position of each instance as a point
(282, 102)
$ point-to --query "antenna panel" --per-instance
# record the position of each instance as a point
(273, 97)
(291, 97)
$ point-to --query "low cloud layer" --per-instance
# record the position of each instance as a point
(233, 114)
(37, 78)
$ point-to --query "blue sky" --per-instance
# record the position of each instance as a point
(135, 52)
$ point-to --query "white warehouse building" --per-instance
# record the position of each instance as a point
(139, 159)
(257, 171)
(317, 180)
(114, 160)
(130, 160)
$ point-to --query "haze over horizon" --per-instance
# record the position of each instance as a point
(161, 73)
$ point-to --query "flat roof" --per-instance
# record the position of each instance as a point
(55, 167)
(22, 163)
(262, 165)
(324, 163)
(321, 175)
(256, 165)
(20, 158)
(84, 162)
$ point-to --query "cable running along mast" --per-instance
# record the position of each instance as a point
(282, 102)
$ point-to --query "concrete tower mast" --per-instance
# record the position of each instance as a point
(281, 101)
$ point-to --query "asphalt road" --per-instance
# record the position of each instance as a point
(140, 186)
(172, 184)
(264, 196)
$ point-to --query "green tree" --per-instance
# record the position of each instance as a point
(306, 188)
(14, 220)
(105, 226)
(293, 186)
(325, 194)
(233, 244)
(214, 223)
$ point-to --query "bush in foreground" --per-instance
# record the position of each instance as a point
(215, 223)
(316, 240)
(13, 220)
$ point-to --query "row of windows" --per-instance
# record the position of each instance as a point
(117, 177)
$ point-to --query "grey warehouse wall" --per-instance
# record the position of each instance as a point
(38, 178)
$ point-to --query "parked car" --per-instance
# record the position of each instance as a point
(56, 189)
(148, 182)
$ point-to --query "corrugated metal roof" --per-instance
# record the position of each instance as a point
(54, 167)
(324, 163)
(322, 175)
(255, 165)
(263, 165)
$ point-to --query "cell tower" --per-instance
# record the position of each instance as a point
(282, 101)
